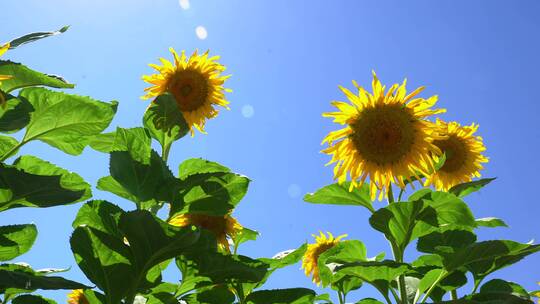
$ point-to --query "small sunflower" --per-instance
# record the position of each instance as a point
(463, 152)
(221, 226)
(311, 257)
(386, 137)
(77, 297)
(3, 49)
(196, 84)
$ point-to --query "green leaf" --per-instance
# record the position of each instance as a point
(245, 235)
(465, 189)
(163, 293)
(502, 254)
(6, 144)
(286, 258)
(282, 296)
(105, 260)
(15, 115)
(222, 268)
(32, 182)
(211, 193)
(32, 37)
(109, 184)
(32, 299)
(16, 240)
(120, 266)
(504, 287)
(198, 165)
(451, 210)
(369, 301)
(343, 252)
(405, 221)
(448, 241)
(66, 122)
(143, 181)
(22, 277)
(100, 215)
(164, 120)
(136, 141)
(25, 77)
(337, 194)
(371, 272)
(213, 295)
(490, 222)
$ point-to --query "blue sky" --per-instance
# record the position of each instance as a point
(287, 59)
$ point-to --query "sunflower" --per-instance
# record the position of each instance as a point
(220, 226)
(311, 257)
(77, 297)
(538, 295)
(386, 137)
(463, 152)
(196, 84)
(3, 49)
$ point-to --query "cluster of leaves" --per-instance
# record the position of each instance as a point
(122, 253)
(443, 227)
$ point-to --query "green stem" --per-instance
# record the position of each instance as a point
(165, 149)
(390, 194)
(401, 191)
(341, 297)
(240, 293)
(476, 285)
(453, 294)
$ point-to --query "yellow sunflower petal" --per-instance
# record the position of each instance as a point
(463, 151)
(195, 82)
(386, 140)
(311, 256)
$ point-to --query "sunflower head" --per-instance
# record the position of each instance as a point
(311, 257)
(222, 227)
(77, 297)
(196, 84)
(386, 137)
(463, 152)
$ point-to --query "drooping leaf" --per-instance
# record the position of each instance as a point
(491, 222)
(66, 122)
(164, 120)
(32, 37)
(16, 240)
(465, 189)
(280, 296)
(339, 194)
(448, 241)
(25, 77)
(22, 277)
(32, 182)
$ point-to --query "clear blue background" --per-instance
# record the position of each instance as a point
(287, 58)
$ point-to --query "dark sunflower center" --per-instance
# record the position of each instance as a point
(384, 134)
(189, 88)
(455, 152)
(216, 224)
